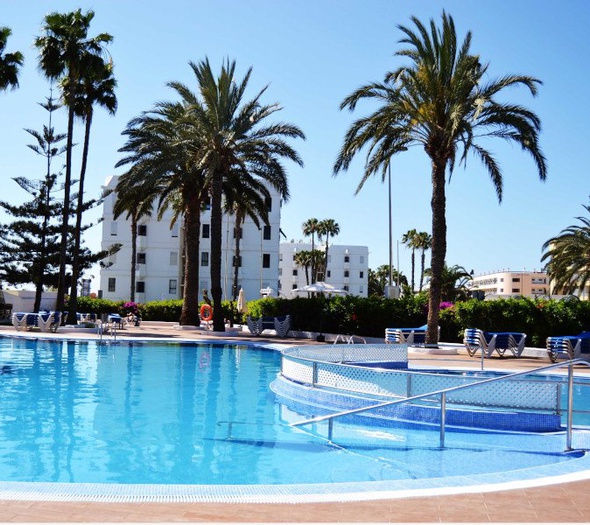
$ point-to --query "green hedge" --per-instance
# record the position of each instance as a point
(370, 316)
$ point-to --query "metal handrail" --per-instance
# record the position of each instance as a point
(330, 417)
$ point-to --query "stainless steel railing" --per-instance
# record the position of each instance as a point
(442, 393)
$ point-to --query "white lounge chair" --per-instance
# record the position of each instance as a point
(48, 321)
(410, 336)
(24, 321)
(476, 340)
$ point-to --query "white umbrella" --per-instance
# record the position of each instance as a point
(242, 306)
(320, 287)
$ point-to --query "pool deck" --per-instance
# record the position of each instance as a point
(562, 503)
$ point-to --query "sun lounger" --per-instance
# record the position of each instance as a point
(82, 318)
(48, 321)
(24, 321)
(568, 346)
(45, 321)
(410, 336)
(281, 325)
(476, 340)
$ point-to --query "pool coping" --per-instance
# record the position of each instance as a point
(574, 470)
(568, 471)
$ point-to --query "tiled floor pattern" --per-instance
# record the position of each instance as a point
(563, 503)
(566, 503)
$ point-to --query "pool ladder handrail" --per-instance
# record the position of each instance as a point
(350, 339)
(112, 328)
(443, 393)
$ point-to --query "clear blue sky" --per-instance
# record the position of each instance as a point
(312, 53)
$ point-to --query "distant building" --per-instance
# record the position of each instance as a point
(348, 268)
(507, 283)
(160, 269)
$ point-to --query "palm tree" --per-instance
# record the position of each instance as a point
(159, 144)
(235, 143)
(443, 102)
(9, 62)
(136, 202)
(422, 241)
(454, 282)
(409, 239)
(567, 256)
(96, 87)
(379, 278)
(326, 228)
(304, 259)
(65, 52)
(310, 229)
(243, 200)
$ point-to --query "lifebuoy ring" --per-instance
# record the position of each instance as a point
(206, 312)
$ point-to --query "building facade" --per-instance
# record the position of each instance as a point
(507, 283)
(348, 268)
(159, 265)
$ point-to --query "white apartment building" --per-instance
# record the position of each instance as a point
(348, 268)
(508, 283)
(159, 268)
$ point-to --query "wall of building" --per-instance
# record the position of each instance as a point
(511, 284)
(160, 269)
(348, 268)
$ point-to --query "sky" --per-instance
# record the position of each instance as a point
(312, 54)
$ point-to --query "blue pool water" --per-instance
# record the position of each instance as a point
(139, 413)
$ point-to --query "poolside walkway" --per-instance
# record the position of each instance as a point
(562, 503)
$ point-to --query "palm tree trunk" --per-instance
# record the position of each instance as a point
(192, 230)
(216, 236)
(73, 303)
(61, 280)
(413, 267)
(439, 249)
(422, 264)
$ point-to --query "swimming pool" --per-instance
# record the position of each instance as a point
(187, 421)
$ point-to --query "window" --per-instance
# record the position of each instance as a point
(515, 290)
(295, 272)
(172, 286)
(293, 286)
(141, 258)
(266, 233)
(266, 260)
(239, 261)
(361, 290)
(204, 258)
(516, 279)
(361, 275)
(329, 273)
(269, 204)
(347, 258)
(205, 231)
(142, 230)
(280, 272)
(362, 261)
(112, 284)
(113, 228)
(140, 287)
(346, 273)
(345, 287)
(174, 230)
(280, 257)
(173, 258)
